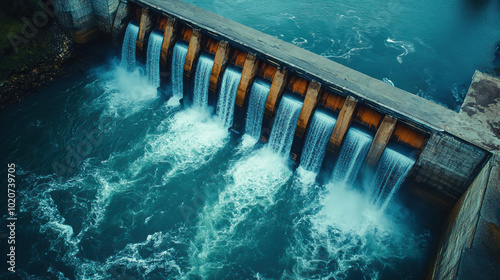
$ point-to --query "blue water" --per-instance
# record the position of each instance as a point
(115, 181)
(429, 48)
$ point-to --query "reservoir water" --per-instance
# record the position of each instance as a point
(429, 48)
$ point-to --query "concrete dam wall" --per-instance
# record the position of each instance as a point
(455, 151)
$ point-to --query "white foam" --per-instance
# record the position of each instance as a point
(253, 183)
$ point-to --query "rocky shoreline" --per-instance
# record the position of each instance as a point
(64, 58)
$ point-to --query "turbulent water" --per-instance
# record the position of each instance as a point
(428, 48)
(115, 182)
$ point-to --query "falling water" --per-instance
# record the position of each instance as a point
(202, 80)
(256, 105)
(390, 173)
(178, 59)
(284, 126)
(153, 58)
(128, 46)
(351, 156)
(316, 140)
(227, 96)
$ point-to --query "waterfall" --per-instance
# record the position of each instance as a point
(257, 103)
(153, 58)
(128, 46)
(202, 80)
(281, 138)
(351, 156)
(390, 173)
(178, 60)
(317, 138)
(227, 96)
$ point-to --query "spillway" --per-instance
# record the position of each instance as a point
(227, 96)
(129, 45)
(202, 80)
(351, 156)
(390, 173)
(153, 58)
(284, 125)
(316, 140)
(256, 105)
(178, 59)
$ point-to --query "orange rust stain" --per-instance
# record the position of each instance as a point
(138, 13)
(331, 100)
(212, 46)
(298, 85)
(409, 136)
(238, 58)
(267, 71)
(369, 117)
(162, 24)
(186, 33)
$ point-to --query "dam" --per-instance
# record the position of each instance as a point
(286, 162)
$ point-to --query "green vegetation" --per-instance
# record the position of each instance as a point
(11, 26)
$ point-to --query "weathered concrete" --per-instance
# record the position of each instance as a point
(193, 53)
(220, 62)
(77, 18)
(308, 107)
(310, 103)
(122, 17)
(144, 28)
(470, 244)
(482, 257)
(248, 74)
(482, 103)
(380, 140)
(104, 11)
(449, 164)
(342, 125)
(169, 36)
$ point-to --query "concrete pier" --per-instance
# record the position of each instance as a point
(220, 62)
(342, 125)
(169, 35)
(144, 28)
(380, 140)
(248, 74)
(278, 86)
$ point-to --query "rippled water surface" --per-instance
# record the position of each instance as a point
(429, 48)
